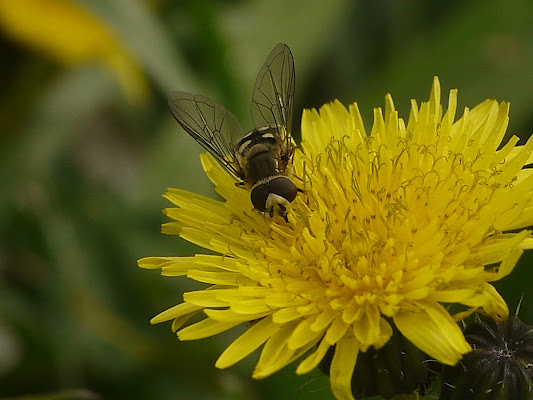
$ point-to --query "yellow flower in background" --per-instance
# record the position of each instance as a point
(391, 227)
(65, 31)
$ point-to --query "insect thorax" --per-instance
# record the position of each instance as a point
(259, 153)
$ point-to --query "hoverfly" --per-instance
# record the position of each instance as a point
(261, 159)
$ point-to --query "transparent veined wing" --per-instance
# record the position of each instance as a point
(273, 94)
(210, 124)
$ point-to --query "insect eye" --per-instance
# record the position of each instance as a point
(283, 187)
(259, 196)
(280, 186)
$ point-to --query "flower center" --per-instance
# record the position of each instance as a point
(380, 222)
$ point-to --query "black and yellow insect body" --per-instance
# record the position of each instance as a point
(261, 159)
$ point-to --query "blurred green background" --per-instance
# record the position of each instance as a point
(87, 147)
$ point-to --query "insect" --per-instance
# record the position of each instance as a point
(262, 158)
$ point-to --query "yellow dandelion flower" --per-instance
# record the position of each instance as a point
(392, 226)
(67, 32)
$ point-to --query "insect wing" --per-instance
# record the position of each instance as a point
(210, 124)
(273, 94)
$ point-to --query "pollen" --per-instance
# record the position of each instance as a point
(392, 225)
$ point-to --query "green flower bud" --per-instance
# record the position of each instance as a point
(499, 368)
